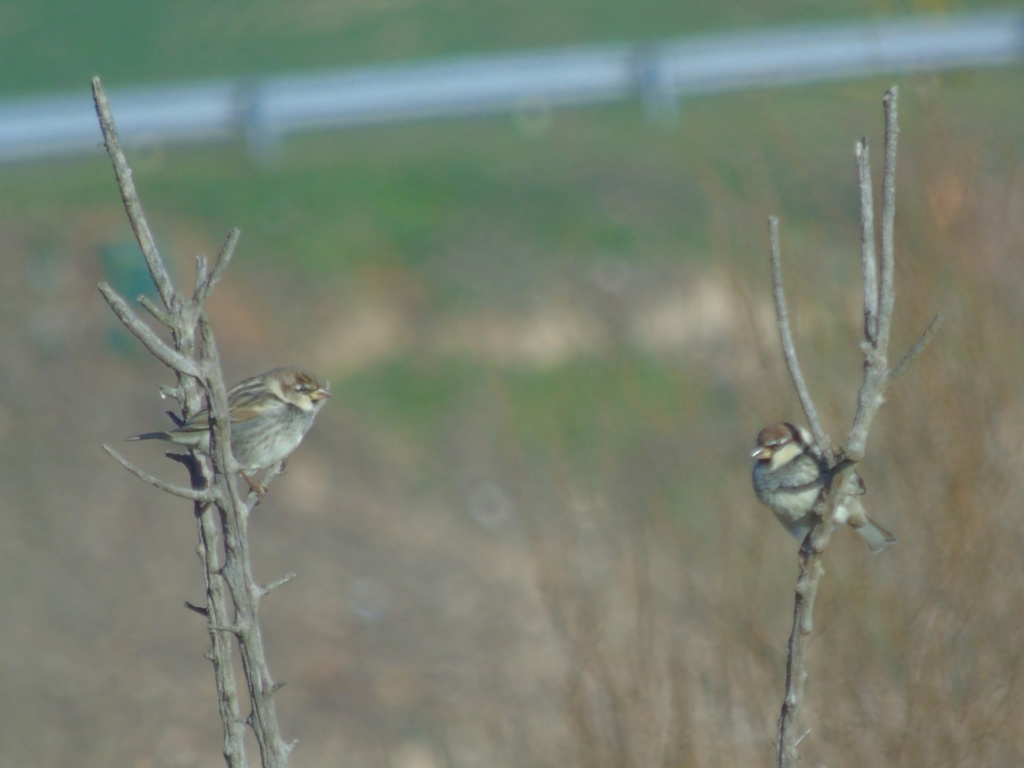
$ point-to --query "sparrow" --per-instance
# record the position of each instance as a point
(789, 473)
(269, 413)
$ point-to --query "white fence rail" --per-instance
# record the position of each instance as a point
(264, 110)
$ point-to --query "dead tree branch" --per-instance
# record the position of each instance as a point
(879, 301)
(786, 337)
(232, 594)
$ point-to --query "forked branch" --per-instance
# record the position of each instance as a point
(232, 594)
(879, 302)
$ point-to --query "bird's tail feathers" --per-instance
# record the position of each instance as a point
(876, 537)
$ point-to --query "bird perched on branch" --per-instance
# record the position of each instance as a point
(789, 473)
(269, 414)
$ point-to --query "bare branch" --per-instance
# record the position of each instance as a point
(173, 393)
(915, 351)
(221, 515)
(220, 424)
(204, 496)
(887, 290)
(223, 259)
(788, 347)
(202, 272)
(871, 394)
(266, 590)
(158, 314)
(879, 301)
(156, 346)
(242, 585)
(869, 260)
(221, 652)
(130, 197)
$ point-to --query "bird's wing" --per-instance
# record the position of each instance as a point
(245, 411)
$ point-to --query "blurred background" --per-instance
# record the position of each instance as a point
(523, 528)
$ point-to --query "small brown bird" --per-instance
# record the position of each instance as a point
(789, 472)
(269, 413)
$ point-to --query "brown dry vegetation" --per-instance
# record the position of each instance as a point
(505, 591)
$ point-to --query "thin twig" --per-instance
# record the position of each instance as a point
(158, 314)
(168, 391)
(205, 496)
(788, 347)
(223, 259)
(867, 240)
(130, 197)
(153, 343)
(277, 584)
(871, 394)
(887, 290)
(202, 272)
(915, 351)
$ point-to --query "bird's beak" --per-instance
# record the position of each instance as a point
(761, 452)
(320, 394)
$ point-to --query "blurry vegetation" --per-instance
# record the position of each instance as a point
(49, 44)
(550, 356)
